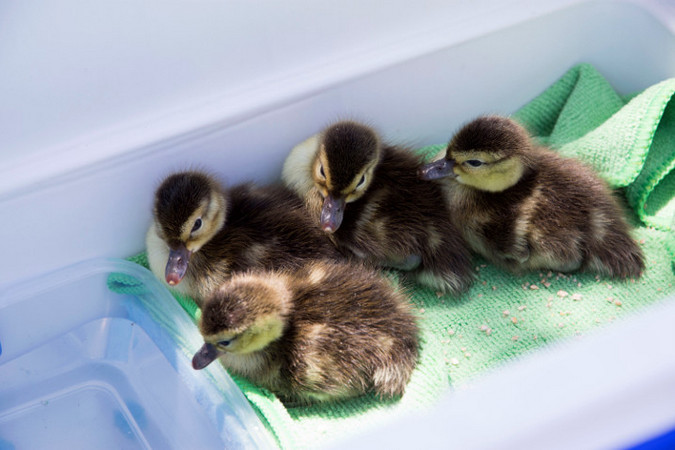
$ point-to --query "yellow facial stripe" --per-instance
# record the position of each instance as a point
(486, 157)
(321, 162)
(212, 213)
(186, 229)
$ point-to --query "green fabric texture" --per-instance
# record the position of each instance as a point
(504, 316)
(629, 140)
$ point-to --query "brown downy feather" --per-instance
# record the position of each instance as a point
(264, 227)
(391, 218)
(323, 332)
(551, 213)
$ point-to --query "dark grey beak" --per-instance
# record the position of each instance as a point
(177, 265)
(437, 169)
(205, 356)
(331, 214)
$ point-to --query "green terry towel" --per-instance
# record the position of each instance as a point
(629, 140)
(503, 316)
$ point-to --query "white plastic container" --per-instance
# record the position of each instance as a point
(85, 367)
(99, 100)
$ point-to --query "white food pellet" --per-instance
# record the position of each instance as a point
(562, 294)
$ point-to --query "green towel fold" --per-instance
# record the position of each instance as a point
(503, 316)
(629, 140)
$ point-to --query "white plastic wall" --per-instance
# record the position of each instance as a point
(100, 99)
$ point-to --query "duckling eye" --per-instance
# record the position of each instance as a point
(321, 171)
(197, 225)
(363, 180)
(474, 162)
(225, 343)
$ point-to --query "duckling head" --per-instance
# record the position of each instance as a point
(489, 154)
(245, 315)
(347, 156)
(189, 210)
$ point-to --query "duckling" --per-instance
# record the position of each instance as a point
(201, 233)
(525, 207)
(367, 197)
(326, 331)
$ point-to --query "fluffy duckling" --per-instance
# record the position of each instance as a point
(326, 331)
(202, 233)
(367, 197)
(524, 207)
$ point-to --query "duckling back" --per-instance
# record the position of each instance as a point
(346, 331)
(583, 221)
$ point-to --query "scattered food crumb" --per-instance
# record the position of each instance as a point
(618, 302)
(421, 310)
(546, 284)
(488, 331)
(451, 332)
(576, 297)
(642, 241)
(561, 325)
(514, 338)
(562, 294)
(483, 327)
(534, 287)
(579, 285)
(494, 288)
(506, 312)
(454, 361)
(467, 355)
(439, 294)
(463, 349)
(514, 320)
(522, 308)
(597, 321)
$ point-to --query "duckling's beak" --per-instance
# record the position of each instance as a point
(177, 265)
(437, 169)
(205, 356)
(331, 213)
